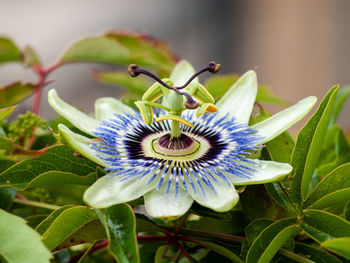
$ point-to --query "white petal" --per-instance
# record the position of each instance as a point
(278, 123)
(75, 116)
(160, 204)
(79, 143)
(222, 200)
(238, 101)
(110, 190)
(106, 107)
(266, 172)
(182, 72)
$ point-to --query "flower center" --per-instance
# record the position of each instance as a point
(183, 148)
(175, 143)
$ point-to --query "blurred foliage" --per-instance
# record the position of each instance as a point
(304, 218)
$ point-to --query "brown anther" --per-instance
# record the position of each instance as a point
(131, 70)
(191, 106)
(214, 67)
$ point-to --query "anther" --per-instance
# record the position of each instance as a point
(213, 67)
(132, 70)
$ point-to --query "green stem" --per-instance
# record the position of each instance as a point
(295, 257)
(36, 204)
(175, 129)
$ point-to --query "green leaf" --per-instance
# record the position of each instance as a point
(257, 203)
(144, 224)
(342, 96)
(34, 220)
(148, 252)
(315, 253)
(271, 239)
(265, 95)
(333, 189)
(340, 246)
(19, 243)
(161, 255)
(223, 251)
(308, 147)
(96, 49)
(321, 225)
(145, 50)
(6, 145)
(8, 51)
(347, 211)
(6, 197)
(45, 224)
(233, 224)
(30, 57)
(4, 113)
(256, 227)
(56, 167)
(334, 153)
(218, 85)
(14, 93)
(64, 223)
(119, 223)
(135, 86)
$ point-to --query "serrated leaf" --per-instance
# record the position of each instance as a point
(271, 239)
(136, 86)
(19, 243)
(315, 253)
(218, 85)
(8, 51)
(14, 93)
(96, 49)
(119, 223)
(64, 223)
(308, 147)
(340, 246)
(30, 57)
(5, 112)
(333, 189)
(57, 166)
(321, 225)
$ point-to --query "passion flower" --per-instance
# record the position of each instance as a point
(184, 149)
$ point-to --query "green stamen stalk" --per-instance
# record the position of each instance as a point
(175, 103)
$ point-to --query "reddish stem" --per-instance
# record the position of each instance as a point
(183, 251)
(42, 76)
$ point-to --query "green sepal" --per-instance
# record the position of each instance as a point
(146, 111)
(199, 92)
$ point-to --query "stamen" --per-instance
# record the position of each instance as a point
(134, 71)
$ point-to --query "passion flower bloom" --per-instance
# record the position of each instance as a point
(184, 156)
